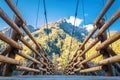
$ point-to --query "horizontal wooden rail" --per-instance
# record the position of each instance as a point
(78, 69)
(9, 60)
(28, 57)
(89, 47)
(105, 9)
(44, 63)
(92, 69)
(115, 37)
(88, 37)
(31, 37)
(12, 6)
(35, 51)
(22, 68)
(110, 60)
(26, 72)
(101, 63)
(10, 41)
(10, 22)
(41, 69)
(93, 56)
(110, 40)
(78, 62)
(30, 47)
(108, 23)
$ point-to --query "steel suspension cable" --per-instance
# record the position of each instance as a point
(37, 14)
(46, 20)
(45, 14)
(72, 35)
(83, 12)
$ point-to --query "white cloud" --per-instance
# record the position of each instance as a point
(71, 20)
(88, 27)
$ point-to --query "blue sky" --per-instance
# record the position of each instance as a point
(57, 9)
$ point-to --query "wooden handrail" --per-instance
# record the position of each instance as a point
(10, 41)
(108, 23)
(22, 68)
(12, 6)
(110, 60)
(92, 69)
(28, 57)
(9, 22)
(105, 9)
(110, 40)
(9, 60)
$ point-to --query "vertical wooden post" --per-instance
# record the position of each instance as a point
(104, 52)
(83, 57)
(35, 65)
(8, 68)
(44, 67)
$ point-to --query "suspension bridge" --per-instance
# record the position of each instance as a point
(77, 67)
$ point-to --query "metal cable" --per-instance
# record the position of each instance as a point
(46, 20)
(37, 14)
(76, 12)
(45, 13)
(83, 12)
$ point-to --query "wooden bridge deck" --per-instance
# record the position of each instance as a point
(59, 77)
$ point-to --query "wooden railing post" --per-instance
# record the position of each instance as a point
(8, 68)
(104, 52)
(35, 65)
